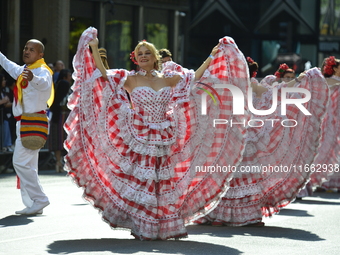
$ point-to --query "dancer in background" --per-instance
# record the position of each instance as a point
(327, 160)
(285, 73)
(165, 55)
(256, 189)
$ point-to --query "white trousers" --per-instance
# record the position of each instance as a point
(25, 162)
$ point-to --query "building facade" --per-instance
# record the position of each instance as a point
(270, 31)
(121, 24)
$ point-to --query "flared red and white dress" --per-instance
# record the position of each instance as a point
(143, 167)
(276, 161)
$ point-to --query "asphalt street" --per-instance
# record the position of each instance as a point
(69, 225)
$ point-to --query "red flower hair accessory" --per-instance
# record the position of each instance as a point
(329, 63)
(282, 68)
(250, 60)
(132, 57)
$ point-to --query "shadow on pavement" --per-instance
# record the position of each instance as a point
(317, 202)
(14, 220)
(130, 246)
(295, 212)
(80, 204)
(324, 195)
(267, 231)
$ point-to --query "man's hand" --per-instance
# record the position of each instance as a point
(27, 74)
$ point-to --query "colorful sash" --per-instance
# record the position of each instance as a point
(23, 83)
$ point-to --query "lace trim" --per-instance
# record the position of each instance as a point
(241, 210)
(242, 191)
(142, 227)
(159, 126)
(235, 216)
(144, 72)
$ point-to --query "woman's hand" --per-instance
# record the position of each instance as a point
(301, 76)
(199, 72)
(296, 80)
(215, 50)
(95, 53)
(94, 43)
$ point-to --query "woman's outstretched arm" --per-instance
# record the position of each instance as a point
(296, 80)
(200, 71)
(95, 53)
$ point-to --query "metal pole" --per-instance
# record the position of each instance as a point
(141, 23)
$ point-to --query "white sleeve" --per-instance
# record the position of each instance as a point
(13, 69)
(42, 79)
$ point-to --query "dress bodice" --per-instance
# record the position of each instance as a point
(151, 104)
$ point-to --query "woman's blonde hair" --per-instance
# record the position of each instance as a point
(154, 52)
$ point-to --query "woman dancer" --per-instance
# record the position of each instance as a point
(267, 180)
(144, 168)
(257, 90)
(284, 73)
(327, 173)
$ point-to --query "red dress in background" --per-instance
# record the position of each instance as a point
(255, 194)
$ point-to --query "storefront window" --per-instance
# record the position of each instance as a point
(77, 27)
(118, 36)
(157, 34)
(119, 43)
(81, 17)
(156, 28)
(330, 17)
(329, 44)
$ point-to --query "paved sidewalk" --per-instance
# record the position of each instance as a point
(71, 226)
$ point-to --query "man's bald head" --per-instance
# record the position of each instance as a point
(33, 51)
(41, 45)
